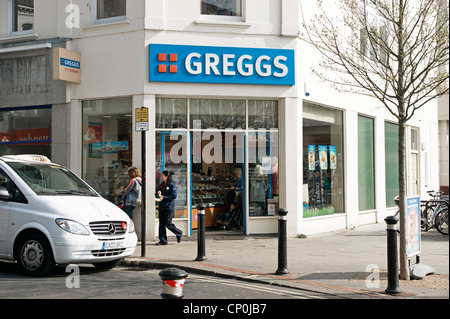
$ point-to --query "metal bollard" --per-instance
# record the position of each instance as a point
(173, 280)
(201, 233)
(282, 242)
(392, 252)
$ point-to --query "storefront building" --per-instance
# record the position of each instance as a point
(232, 102)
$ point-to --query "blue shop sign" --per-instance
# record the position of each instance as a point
(206, 64)
(70, 63)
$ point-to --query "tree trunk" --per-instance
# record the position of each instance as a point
(404, 265)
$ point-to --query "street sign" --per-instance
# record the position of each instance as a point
(142, 126)
(142, 119)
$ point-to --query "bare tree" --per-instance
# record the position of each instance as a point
(394, 50)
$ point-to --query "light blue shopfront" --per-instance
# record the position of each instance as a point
(226, 65)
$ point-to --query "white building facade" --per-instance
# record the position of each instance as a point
(229, 89)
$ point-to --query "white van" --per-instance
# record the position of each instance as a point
(49, 217)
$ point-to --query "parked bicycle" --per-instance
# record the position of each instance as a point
(433, 212)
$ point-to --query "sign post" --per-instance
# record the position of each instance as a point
(142, 125)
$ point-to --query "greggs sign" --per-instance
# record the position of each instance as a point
(206, 64)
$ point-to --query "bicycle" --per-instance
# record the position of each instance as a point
(428, 208)
(441, 217)
(433, 212)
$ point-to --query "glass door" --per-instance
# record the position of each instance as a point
(263, 174)
(171, 155)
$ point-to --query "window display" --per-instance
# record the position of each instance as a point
(107, 146)
(323, 182)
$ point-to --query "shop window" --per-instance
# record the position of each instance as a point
(323, 178)
(110, 10)
(217, 114)
(222, 7)
(263, 173)
(22, 15)
(26, 131)
(263, 115)
(107, 145)
(391, 160)
(171, 113)
(366, 164)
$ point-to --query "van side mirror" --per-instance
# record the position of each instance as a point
(4, 194)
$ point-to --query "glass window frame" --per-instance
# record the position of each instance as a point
(362, 176)
(238, 15)
(12, 21)
(336, 204)
(47, 116)
(391, 163)
(101, 184)
(96, 20)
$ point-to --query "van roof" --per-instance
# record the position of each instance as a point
(27, 157)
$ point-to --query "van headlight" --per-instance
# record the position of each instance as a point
(131, 227)
(72, 227)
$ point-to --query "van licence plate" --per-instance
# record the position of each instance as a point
(112, 244)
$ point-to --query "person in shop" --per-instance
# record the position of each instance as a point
(166, 195)
(131, 197)
(238, 180)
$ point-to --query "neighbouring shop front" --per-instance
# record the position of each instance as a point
(107, 145)
(33, 109)
(26, 130)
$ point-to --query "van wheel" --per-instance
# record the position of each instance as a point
(108, 264)
(34, 255)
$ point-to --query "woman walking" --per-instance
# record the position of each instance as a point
(166, 194)
(131, 197)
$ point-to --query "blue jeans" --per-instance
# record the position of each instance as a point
(129, 210)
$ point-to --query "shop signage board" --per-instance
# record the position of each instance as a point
(142, 119)
(224, 65)
(66, 65)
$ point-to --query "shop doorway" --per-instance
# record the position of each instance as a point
(218, 179)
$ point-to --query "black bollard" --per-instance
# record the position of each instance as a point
(201, 233)
(392, 252)
(282, 242)
(173, 282)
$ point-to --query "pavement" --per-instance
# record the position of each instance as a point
(348, 264)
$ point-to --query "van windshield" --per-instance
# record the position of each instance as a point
(49, 179)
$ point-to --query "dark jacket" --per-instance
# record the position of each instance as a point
(169, 193)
